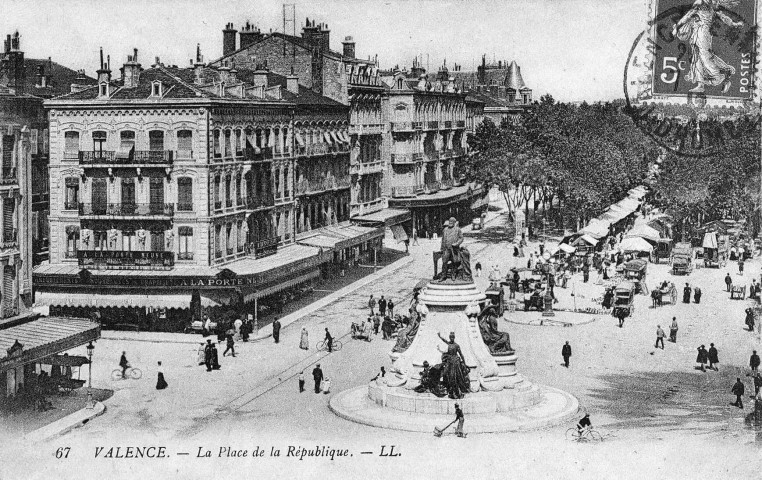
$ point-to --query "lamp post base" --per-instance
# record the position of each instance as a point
(90, 402)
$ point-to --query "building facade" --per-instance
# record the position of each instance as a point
(175, 188)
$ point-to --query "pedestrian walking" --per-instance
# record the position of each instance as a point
(230, 347)
(368, 329)
(215, 358)
(276, 330)
(478, 268)
(673, 330)
(208, 355)
(390, 308)
(687, 293)
(728, 282)
(301, 381)
(585, 272)
(382, 306)
(740, 265)
(713, 357)
(161, 383)
(246, 329)
(328, 340)
(372, 305)
(237, 325)
(757, 379)
(206, 330)
(200, 356)
(750, 319)
(701, 358)
(738, 390)
(376, 324)
(659, 337)
(696, 295)
(461, 419)
(754, 361)
(304, 342)
(566, 352)
(415, 236)
(317, 375)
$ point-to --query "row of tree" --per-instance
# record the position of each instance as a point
(576, 160)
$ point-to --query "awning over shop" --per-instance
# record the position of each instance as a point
(299, 139)
(587, 239)
(335, 138)
(566, 248)
(65, 360)
(596, 228)
(399, 233)
(387, 217)
(710, 240)
(126, 300)
(339, 237)
(644, 231)
(41, 338)
(327, 138)
(635, 244)
(281, 286)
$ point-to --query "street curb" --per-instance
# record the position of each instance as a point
(325, 301)
(66, 424)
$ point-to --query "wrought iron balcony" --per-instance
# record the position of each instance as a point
(265, 246)
(366, 168)
(184, 207)
(417, 125)
(460, 124)
(406, 158)
(8, 176)
(402, 127)
(135, 157)
(118, 259)
(367, 129)
(258, 155)
(10, 239)
(432, 125)
(185, 256)
(448, 124)
(255, 202)
(432, 187)
(127, 209)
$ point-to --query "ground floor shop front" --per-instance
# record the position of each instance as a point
(179, 299)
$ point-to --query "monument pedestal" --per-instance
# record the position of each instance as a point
(501, 399)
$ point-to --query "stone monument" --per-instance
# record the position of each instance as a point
(457, 354)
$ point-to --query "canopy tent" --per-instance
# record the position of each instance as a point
(585, 239)
(644, 231)
(710, 240)
(597, 228)
(628, 204)
(635, 244)
(566, 248)
(614, 214)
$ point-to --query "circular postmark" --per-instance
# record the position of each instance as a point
(690, 81)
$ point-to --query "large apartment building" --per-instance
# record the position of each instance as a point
(173, 184)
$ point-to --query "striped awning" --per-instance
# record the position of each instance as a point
(281, 286)
(32, 341)
(127, 300)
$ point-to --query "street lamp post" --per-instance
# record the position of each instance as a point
(90, 348)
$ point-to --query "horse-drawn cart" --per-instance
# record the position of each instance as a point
(666, 289)
(624, 296)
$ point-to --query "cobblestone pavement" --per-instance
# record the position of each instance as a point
(656, 411)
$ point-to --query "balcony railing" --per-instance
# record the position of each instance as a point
(365, 168)
(218, 205)
(367, 129)
(406, 191)
(448, 124)
(311, 186)
(417, 125)
(402, 127)
(71, 205)
(432, 125)
(127, 209)
(446, 183)
(364, 80)
(185, 256)
(406, 158)
(228, 203)
(432, 187)
(460, 124)
(432, 156)
(10, 239)
(265, 246)
(150, 157)
(251, 154)
(8, 176)
(184, 207)
(252, 203)
(117, 259)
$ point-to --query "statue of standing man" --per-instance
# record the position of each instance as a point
(456, 261)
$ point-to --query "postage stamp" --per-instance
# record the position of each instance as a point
(691, 76)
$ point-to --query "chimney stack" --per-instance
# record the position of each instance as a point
(12, 69)
(131, 70)
(104, 72)
(349, 47)
(319, 36)
(79, 82)
(249, 35)
(260, 77)
(229, 40)
(198, 67)
(292, 83)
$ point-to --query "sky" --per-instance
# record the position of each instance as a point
(573, 49)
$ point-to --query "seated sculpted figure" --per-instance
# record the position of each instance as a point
(496, 341)
(430, 380)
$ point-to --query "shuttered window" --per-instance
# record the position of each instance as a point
(185, 194)
(128, 191)
(156, 140)
(71, 142)
(9, 277)
(185, 144)
(99, 195)
(157, 192)
(9, 210)
(157, 241)
(8, 144)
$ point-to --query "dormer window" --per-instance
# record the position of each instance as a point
(399, 84)
(157, 89)
(103, 90)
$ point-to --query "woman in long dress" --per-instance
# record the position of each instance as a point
(161, 384)
(304, 342)
(695, 27)
(454, 369)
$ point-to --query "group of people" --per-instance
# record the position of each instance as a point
(209, 356)
(705, 356)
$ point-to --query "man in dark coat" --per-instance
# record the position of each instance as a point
(215, 358)
(208, 355)
(697, 295)
(390, 307)
(754, 361)
(276, 331)
(566, 352)
(701, 358)
(738, 390)
(317, 375)
(750, 319)
(728, 281)
(382, 306)
(713, 357)
(585, 272)
(687, 293)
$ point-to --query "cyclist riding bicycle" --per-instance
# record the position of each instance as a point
(584, 424)
(124, 364)
(328, 341)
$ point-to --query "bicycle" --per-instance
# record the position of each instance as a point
(586, 435)
(322, 346)
(130, 372)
